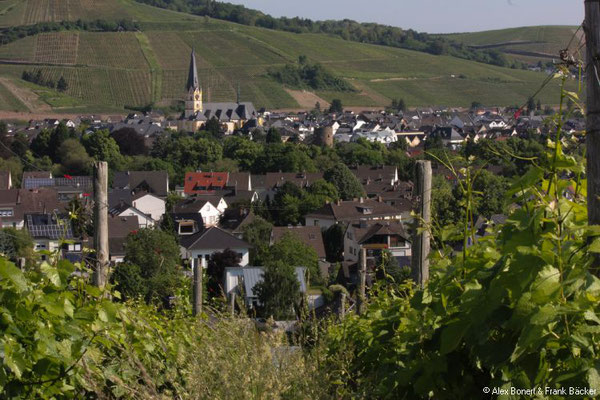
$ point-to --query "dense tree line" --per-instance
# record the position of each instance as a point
(307, 75)
(13, 33)
(346, 29)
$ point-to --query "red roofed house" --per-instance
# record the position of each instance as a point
(204, 182)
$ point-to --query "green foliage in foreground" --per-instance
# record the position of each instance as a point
(518, 309)
(62, 338)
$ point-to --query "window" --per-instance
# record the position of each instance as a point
(74, 247)
(186, 227)
(6, 212)
(316, 223)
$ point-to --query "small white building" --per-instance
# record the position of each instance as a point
(210, 208)
(200, 246)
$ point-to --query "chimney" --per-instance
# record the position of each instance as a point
(362, 200)
(339, 202)
(380, 199)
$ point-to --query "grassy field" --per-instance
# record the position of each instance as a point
(542, 40)
(9, 102)
(110, 71)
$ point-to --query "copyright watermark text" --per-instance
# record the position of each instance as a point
(544, 391)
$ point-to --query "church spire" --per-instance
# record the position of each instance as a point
(193, 82)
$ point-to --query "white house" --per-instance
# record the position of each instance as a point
(210, 208)
(200, 246)
(150, 205)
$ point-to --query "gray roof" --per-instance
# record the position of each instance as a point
(193, 82)
(225, 112)
(155, 182)
(216, 238)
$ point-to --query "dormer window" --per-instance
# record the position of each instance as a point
(365, 210)
(186, 227)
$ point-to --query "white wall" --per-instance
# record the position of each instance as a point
(210, 214)
(205, 254)
(151, 205)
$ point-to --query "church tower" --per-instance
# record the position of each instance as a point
(193, 102)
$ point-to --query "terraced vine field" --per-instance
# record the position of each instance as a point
(57, 48)
(21, 50)
(111, 50)
(115, 70)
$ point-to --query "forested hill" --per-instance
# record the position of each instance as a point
(346, 29)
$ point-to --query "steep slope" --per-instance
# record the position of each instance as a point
(540, 42)
(107, 71)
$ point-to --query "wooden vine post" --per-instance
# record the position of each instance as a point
(101, 223)
(591, 27)
(421, 240)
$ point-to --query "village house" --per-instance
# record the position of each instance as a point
(208, 207)
(118, 230)
(153, 182)
(309, 235)
(143, 202)
(15, 203)
(200, 246)
(375, 237)
(350, 211)
(54, 233)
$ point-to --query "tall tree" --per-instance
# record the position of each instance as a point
(273, 136)
(279, 292)
(336, 106)
(157, 254)
(292, 251)
(258, 234)
(102, 147)
(130, 142)
(216, 270)
(344, 180)
(74, 158)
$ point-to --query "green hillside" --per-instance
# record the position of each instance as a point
(107, 71)
(527, 43)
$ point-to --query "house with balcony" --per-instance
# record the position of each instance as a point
(377, 237)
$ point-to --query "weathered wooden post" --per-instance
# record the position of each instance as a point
(198, 270)
(591, 27)
(101, 223)
(362, 285)
(232, 304)
(421, 240)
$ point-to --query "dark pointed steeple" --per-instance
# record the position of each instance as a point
(193, 82)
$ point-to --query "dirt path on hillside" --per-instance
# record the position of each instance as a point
(25, 116)
(307, 100)
(365, 90)
(27, 96)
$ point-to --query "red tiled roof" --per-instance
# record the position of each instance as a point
(204, 182)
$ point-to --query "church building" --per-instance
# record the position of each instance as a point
(231, 115)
